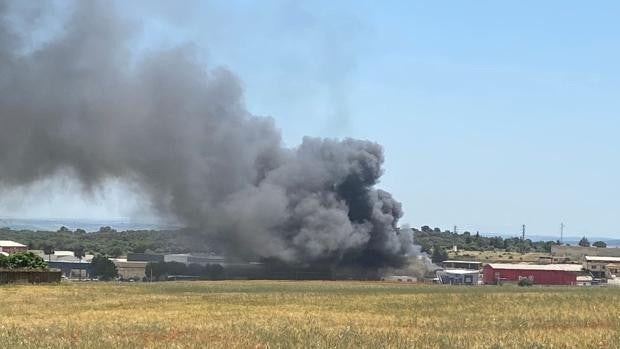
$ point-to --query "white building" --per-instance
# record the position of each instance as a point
(458, 276)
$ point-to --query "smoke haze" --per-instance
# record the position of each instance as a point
(179, 130)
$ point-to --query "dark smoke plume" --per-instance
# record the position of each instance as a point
(81, 102)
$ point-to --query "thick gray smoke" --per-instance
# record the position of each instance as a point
(181, 132)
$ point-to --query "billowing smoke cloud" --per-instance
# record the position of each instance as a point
(180, 131)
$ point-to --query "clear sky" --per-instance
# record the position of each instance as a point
(492, 114)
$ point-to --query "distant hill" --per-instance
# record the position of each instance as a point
(53, 224)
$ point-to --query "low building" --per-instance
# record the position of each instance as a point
(540, 274)
(614, 282)
(598, 265)
(458, 276)
(467, 265)
(188, 259)
(8, 246)
(130, 269)
(584, 280)
(613, 270)
(71, 266)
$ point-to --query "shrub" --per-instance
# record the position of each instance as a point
(24, 260)
(103, 268)
(525, 282)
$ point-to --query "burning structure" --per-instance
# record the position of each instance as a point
(85, 102)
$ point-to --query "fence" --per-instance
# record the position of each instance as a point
(29, 276)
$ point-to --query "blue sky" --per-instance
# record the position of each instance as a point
(492, 114)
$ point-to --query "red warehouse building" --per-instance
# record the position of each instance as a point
(540, 274)
(10, 247)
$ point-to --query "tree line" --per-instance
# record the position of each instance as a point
(429, 238)
(109, 242)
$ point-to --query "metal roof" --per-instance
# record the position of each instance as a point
(68, 259)
(552, 267)
(602, 259)
(125, 263)
(9, 243)
(460, 271)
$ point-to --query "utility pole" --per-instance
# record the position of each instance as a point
(523, 232)
(561, 233)
(455, 229)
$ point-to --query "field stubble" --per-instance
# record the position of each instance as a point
(271, 314)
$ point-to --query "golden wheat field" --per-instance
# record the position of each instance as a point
(271, 314)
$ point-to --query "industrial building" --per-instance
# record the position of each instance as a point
(458, 276)
(602, 266)
(188, 259)
(71, 266)
(9, 247)
(540, 274)
(130, 270)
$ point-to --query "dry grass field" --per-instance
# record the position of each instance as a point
(269, 314)
(498, 256)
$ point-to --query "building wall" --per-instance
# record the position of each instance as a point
(13, 249)
(599, 268)
(71, 270)
(445, 277)
(131, 269)
(541, 277)
(180, 258)
(130, 272)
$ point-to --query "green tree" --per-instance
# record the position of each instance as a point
(600, 244)
(116, 252)
(4, 261)
(439, 255)
(584, 242)
(25, 260)
(107, 229)
(103, 268)
(49, 251)
(139, 248)
(79, 253)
